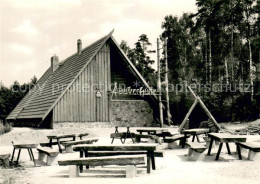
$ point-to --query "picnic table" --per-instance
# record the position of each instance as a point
(195, 132)
(62, 138)
(224, 138)
(153, 131)
(21, 146)
(149, 148)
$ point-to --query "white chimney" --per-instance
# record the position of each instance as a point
(79, 44)
(54, 62)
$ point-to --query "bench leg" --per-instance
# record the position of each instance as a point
(73, 171)
(51, 160)
(172, 145)
(131, 171)
(41, 156)
(197, 156)
(137, 139)
(151, 140)
(239, 152)
(253, 155)
(6, 162)
(69, 149)
(190, 152)
(159, 140)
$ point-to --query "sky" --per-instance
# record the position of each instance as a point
(31, 31)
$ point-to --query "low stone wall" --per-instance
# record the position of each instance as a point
(134, 113)
(81, 125)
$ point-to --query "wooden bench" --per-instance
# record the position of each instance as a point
(159, 153)
(129, 161)
(122, 136)
(151, 138)
(171, 141)
(68, 145)
(5, 159)
(51, 155)
(254, 150)
(195, 150)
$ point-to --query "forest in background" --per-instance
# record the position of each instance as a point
(218, 48)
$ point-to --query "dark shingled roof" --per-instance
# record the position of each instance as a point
(41, 99)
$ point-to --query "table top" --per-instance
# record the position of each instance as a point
(59, 136)
(225, 137)
(124, 147)
(196, 130)
(154, 130)
(25, 145)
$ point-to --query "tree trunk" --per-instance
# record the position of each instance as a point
(210, 59)
(226, 71)
(251, 70)
(206, 60)
(232, 52)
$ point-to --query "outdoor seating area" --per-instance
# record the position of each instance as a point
(82, 156)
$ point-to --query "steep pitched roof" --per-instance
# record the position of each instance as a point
(39, 102)
(51, 87)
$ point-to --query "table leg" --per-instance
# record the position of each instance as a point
(128, 132)
(197, 138)
(81, 156)
(19, 152)
(210, 145)
(112, 140)
(50, 143)
(13, 155)
(148, 162)
(239, 152)
(219, 150)
(30, 150)
(183, 141)
(29, 153)
(193, 138)
(124, 138)
(153, 160)
(58, 141)
(86, 155)
(228, 149)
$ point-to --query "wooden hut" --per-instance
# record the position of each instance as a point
(94, 85)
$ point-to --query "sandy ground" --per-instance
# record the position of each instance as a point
(174, 167)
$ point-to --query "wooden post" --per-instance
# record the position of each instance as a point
(188, 114)
(159, 84)
(205, 108)
(166, 83)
